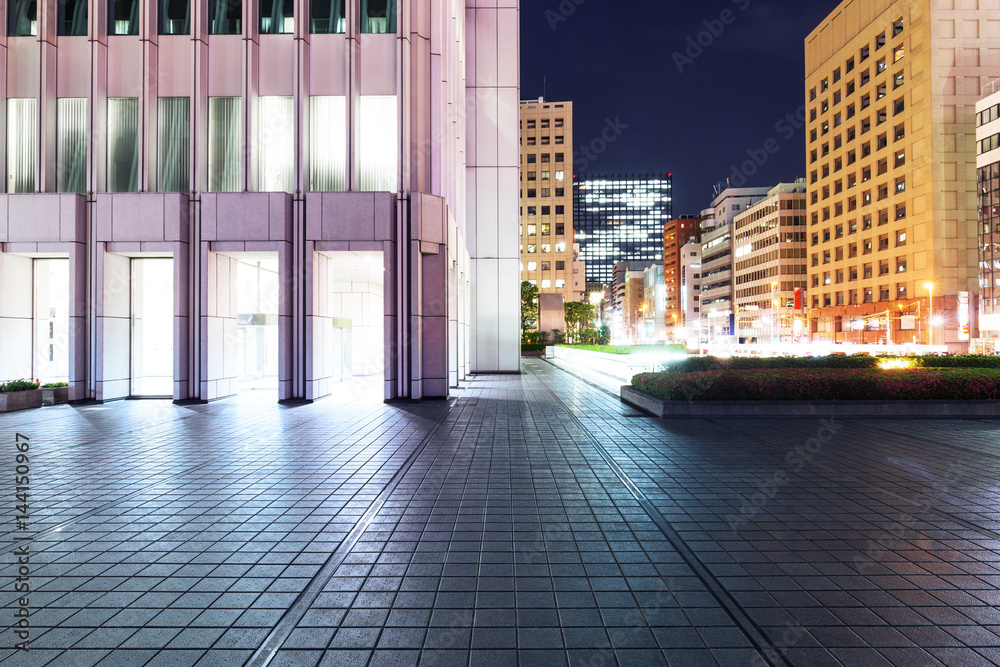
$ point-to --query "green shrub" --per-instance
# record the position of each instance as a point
(810, 384)
(532, 348)
(18, 385)
(861, 361)
(55, 385)
(628, 349)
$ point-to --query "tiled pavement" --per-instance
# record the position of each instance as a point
(533, 519)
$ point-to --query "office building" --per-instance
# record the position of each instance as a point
(676, 234)
(266, 194)
(621, 218)
(690, 329)
(988, 170)
(549, 258)
(770, 260)
(654, 305)
(891, 92)
(718, 315)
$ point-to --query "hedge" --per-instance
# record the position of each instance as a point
(527, 347)
(699, 364)
(628, 349)
(789, 384)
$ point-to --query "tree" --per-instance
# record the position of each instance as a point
(529, 308)
(604, 335)
(578, 315)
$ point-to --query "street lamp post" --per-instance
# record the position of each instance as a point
(930, 325)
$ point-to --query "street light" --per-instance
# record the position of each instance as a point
(930, 288)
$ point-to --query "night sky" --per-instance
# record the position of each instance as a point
(615, 59)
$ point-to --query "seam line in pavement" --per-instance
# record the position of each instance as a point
(753, 633)
(290, 619)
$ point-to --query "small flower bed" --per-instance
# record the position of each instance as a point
(55, 385)
(18, 385)
(823, 384)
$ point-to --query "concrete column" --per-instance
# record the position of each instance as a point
(113, 317)
(219, 369)
(16, 316)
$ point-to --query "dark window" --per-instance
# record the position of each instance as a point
(226, 17)
(22, 18)
(73, 18)
(277, 17)
(328, 17)
(175, 17)
(378, 16)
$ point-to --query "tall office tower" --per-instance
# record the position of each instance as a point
(676, 234)
(690, 327)
(549, 258)
(891, 90)
(717, 312)
(257, 193)
(988, 168)
(770, 265)
(621, 218)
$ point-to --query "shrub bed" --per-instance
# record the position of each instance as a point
(18, 385)
(861, 361)
(528, 347)
(628, 349)
(804, 384)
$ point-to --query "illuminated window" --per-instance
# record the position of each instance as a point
(174, 141)
(225, 144)
(328, 144)
(123, 144)
(71, 145)
(379, 144)
(22, 144)
(546, 284)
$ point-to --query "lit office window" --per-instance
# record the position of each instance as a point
(378, 16)
(73, 18)
(173, 144)
(379, 144)
(225, 17)
(277, 17)
(123, 17)
(328, 144)
(225, 144)
(175, 17)
(22, 18)
(276, 161)
(22, 144)
(71, 144)
(327, 17)
(123, 144)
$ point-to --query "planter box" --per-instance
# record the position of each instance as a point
(814, 409)
(55, 395)
(20, 400)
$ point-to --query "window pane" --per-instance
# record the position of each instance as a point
(123, 144)
(175, 17)
(226, 17)
(379, 144)
(22, 145)
(328, 144)
(276, 17)
(71, 144)
(225, 145)
(327, 17)
(378, 16)
(123, 17)
(173, 144)
(276, 160)
(73, 18)
(22, 18)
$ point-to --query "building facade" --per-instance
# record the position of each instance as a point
(549, 258)
(770, 261)
(625, 291)
(621, 218)
(289, 193)
(891, 89)
(691, 330)
(988, 170)
(718, 315)
(654, 306)
(676, 234)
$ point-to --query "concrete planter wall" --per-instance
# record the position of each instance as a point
(55, 395)
(813, 409)
(20, 400)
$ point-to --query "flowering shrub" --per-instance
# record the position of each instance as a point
(825, 384)
(18, 385)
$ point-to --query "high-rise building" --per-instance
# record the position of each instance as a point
(549, 258)
(621, 218)
(654, 303)
(988, 168)
(891, 89)
(690, 327)
(222, 198)
(625, 297)
(770, 260)
(718, 315)
(676, 234)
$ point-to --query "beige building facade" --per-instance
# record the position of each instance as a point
(891, 89)
(549, 258)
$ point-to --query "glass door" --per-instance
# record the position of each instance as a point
(152, 328)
